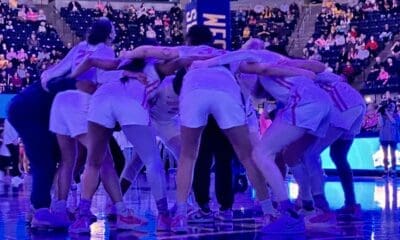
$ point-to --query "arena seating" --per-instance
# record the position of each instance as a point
(342, 35)
(28, 45)
(134, 26)
(272, 25)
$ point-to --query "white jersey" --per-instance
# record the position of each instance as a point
(343, 95)
(166, 102)
(76, 56)
(140, 92)
(348, 104)
(214, 78)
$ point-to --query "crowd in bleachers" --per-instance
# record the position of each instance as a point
(273, 25)
(28, 44)
(346, 37)
(134, 25)
(385, 73)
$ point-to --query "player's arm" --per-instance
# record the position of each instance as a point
(145, 51)
(170, 67)
(231, 57)
(102, 63)
(60, 69)
(274, 70)
(311, 65)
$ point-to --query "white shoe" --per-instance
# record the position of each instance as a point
(16, 181)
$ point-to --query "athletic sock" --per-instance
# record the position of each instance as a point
(162, 206)
(267, 207)
(120, 207)
(84, 207)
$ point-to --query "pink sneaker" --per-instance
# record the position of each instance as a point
(321, 220)
(179, 224)
(43, 218)
(128, 220)
(81, 225)
(163, 223)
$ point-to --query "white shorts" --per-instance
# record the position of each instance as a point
(350, 120)
(115, 102)
(196, 105)
(309, 108)
(166, 130)
(69, 113)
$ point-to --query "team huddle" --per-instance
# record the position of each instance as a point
(170, 92)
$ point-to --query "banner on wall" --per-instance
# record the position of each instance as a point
(214, 14)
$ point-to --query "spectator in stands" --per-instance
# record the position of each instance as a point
(351, 54)
(391, 67)
(3, 62)
(386, 35)
(362, 53)
(100, 6)
(33, 60)
(21, 55)
(109, 8)
(9, 25)
(278, 17)
(11, 54)
(177, 35)
(43, 55)
(13, 4)
(41, 16)
(31, 15)
(10, 69)
(353, 32)
(369, 6)
(42, 28)
(370, 122)
(246, 34)
(21, 71)
(4, 48)
(166, 20)
(383, 76)
(176, 11)
(395, 49)
(74, 6)
(158, 21)
(150, 33)
(167, 34)
(32, 42)
(27, 80)
(372, 46)
(4, 78)
(348, 71)
(16, 83)
(321, 41)
(375, 69)
(22, 14)
(340, 40)
(388, 124)
(51, 31)
(277, 46)
(252, 21)
(395, 7)
(151, 13)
